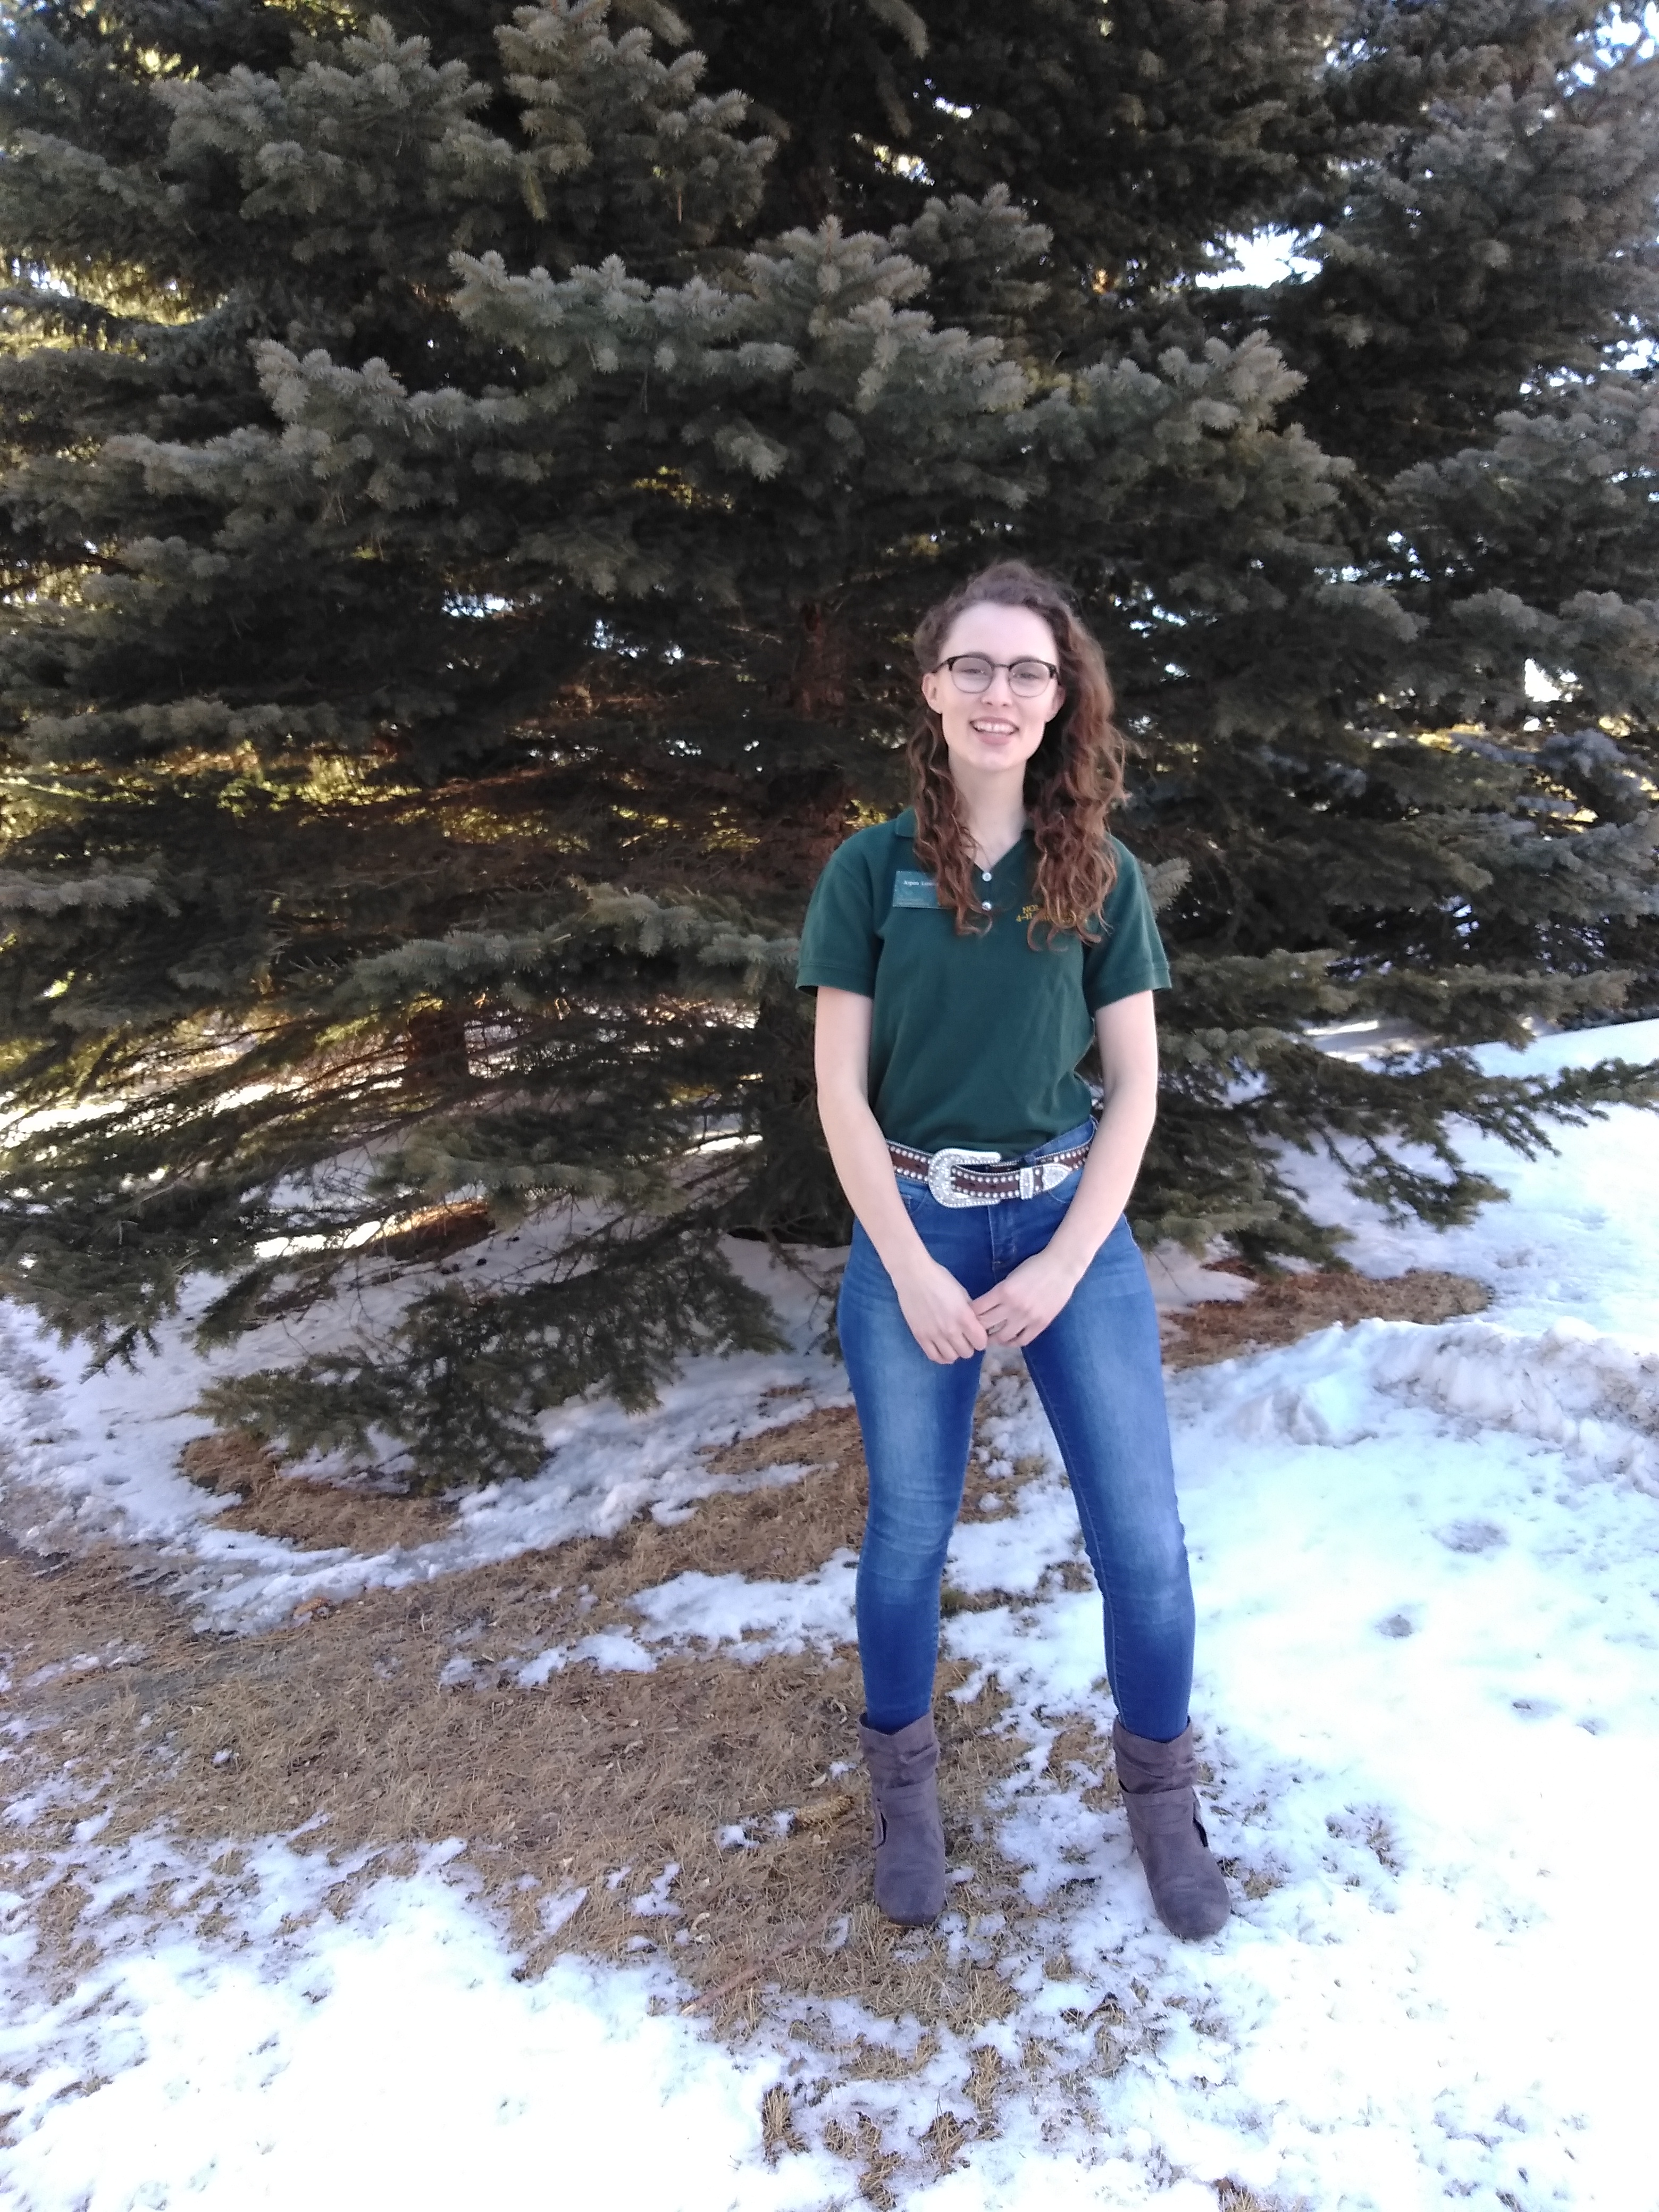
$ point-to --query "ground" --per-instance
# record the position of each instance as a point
(361, 1848)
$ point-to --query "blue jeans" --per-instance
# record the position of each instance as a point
(1098, 1371)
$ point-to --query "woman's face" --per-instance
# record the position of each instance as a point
(997, 729)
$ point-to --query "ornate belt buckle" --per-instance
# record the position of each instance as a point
(943, 1165)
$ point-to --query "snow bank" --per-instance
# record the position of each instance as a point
(1598, 1403)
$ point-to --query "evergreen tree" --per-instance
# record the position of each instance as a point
(468, 486)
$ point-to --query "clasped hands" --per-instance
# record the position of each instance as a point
(949, 1325)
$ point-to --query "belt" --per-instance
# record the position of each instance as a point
(956, 1177)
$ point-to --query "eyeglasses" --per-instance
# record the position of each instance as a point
(972, 672)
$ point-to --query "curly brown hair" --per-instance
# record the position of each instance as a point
(1073, 780)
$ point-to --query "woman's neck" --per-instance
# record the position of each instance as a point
(992, 812)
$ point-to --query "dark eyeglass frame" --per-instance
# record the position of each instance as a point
(1025, 661)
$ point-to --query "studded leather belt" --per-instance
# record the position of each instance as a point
(957, 1177)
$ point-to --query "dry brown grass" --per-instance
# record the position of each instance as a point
(1282, 1308)
(778, 2131)
(1083, 1751)
(434, 1232)
(222, 1741)
(594, 1782)
(314, 1517)
(945, 2140)
(825, 1436)
(781, 1531)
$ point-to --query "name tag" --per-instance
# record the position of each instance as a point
(912, 888)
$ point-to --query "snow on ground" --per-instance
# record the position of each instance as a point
(1577, 1238)
(99, 1454)
(1426, 1561)
(391, 2061)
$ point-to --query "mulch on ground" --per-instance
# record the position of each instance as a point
(396, 1719)
(595, 1781)
(1282, 1308)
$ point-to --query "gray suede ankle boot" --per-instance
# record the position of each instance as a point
(1189, 1890)
(910, 1834)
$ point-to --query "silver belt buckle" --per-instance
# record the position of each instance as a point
(943, 1165)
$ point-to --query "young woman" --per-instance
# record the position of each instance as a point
(961, 955)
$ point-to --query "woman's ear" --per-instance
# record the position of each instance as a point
(1060, 701)
(930, 688)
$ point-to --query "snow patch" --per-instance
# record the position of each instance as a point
(756, 1617)
(1592, 1399)
(614, 1651)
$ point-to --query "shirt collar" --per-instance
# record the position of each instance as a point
(904, 825)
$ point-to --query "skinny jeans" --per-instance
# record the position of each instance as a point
(1098, 1371)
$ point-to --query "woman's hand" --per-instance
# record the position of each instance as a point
(1022, 1305)
(939, 1311)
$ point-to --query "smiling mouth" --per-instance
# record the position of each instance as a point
(994, 729)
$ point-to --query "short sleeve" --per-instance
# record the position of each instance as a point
(1129, 957)
(839, 946)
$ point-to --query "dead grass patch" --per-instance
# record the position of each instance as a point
(596, 1783)
(823, 1438)
(1082, 1752)
(945, 2140)
(864, 2061)
(781, 1531)
(434, 1232)
(1283, 1308)
(575, 1799)
(985, 2082)
(313, 1516)
(778, 2131)
(865, 2149)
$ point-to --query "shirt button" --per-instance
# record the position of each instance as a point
(986, 872)
(986, 905)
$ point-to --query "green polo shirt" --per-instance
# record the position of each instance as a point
(975, 1040)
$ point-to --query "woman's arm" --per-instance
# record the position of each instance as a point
(1023, 1303)
(941, 1317)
